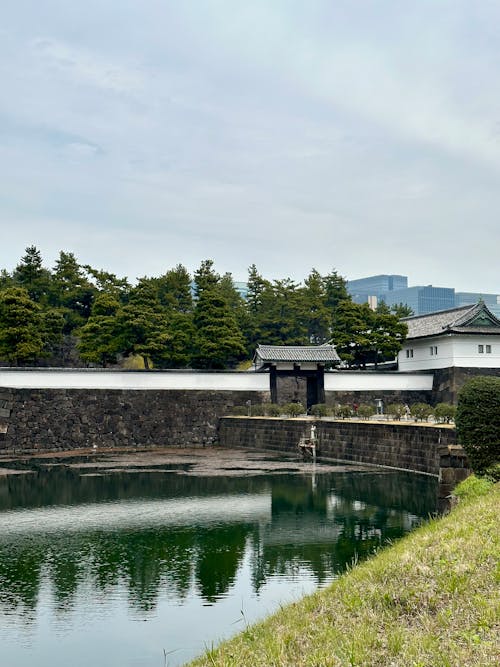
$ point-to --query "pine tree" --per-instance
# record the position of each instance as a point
(99, 339)
(316, 310)
(219, 342)
(32, 276)
(21, 329)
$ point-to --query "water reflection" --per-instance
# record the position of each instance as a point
(157, 537)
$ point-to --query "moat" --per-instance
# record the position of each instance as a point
(148, 559)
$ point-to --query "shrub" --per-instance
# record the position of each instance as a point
(396, 410)
(421, 411)
(319, 410)
(273, 409)
(444, 412)
(365, 411)
(478, 422)
(293, 409)
(344, 411)
(257, 410)
(238, 411)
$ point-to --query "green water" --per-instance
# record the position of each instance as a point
(114, 569)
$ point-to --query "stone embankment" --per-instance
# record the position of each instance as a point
(405, 446)
(34, 420)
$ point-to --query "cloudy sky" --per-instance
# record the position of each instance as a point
(350, 134)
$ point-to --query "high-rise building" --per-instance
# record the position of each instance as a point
(375, 286)
(422, 299)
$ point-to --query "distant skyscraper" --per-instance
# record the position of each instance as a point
(363, 288)
(422, 299)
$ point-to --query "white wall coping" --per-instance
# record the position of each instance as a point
(205, 381)
(139, 380)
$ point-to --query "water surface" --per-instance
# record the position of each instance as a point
(105, 566)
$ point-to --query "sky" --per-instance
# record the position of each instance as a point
(355, 135)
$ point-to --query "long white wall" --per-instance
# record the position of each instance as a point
(368, 381)
(175, 380)
(97, 379)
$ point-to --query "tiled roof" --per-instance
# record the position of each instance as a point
(297, 353)
(455, 320)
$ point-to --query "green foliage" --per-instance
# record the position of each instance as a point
(293, 409)
(21, 327)
(71, 292)
(219, 342)
(108, 283)
(239, 411)
(257, 410)
(273, 409)
(401, 310)
(343, 411)
(363, 336)
(319, 315)
(478, 422)
(421, 411)
(99, 339)
(396, 410)
(320, 410)
(32, 276)
(473, 487)
(365, 411)
(444, 412)
(493, 472)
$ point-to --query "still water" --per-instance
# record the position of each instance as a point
(148, 568)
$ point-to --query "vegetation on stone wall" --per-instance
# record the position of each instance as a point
(177, 320)
(417, 412)
(478, 422)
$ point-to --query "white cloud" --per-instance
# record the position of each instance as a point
(81, 66)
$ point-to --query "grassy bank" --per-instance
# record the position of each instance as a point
(431, 600)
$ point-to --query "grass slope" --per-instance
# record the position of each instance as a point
(430, 600)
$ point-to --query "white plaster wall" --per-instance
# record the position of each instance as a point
(96, 379)
(368, 381)
(174, 380)
(459, 351)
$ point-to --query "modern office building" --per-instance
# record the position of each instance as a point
(375, 286)
(422, 299)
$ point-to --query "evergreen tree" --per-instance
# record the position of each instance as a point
(174, 289)
(316, 310)
(363, 336)
(252, 327)
(21, 329)
(205, 277)
(382, 308)
(99, 338)
(71, 291)
(32, 276)
(219, 342)
(108, 283)
(402, 310)
(283, 319)
(143, 324)
(336, 290)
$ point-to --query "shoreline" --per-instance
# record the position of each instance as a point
(430, 599)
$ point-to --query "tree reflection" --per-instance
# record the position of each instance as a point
(322, 527)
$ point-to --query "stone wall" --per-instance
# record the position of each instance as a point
(405, 446)
(449, 381)
(33, 420)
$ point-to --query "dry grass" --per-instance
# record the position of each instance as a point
(431, 600)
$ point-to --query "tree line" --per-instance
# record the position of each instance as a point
(74, 313)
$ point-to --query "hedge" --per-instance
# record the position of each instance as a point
(478, 422)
